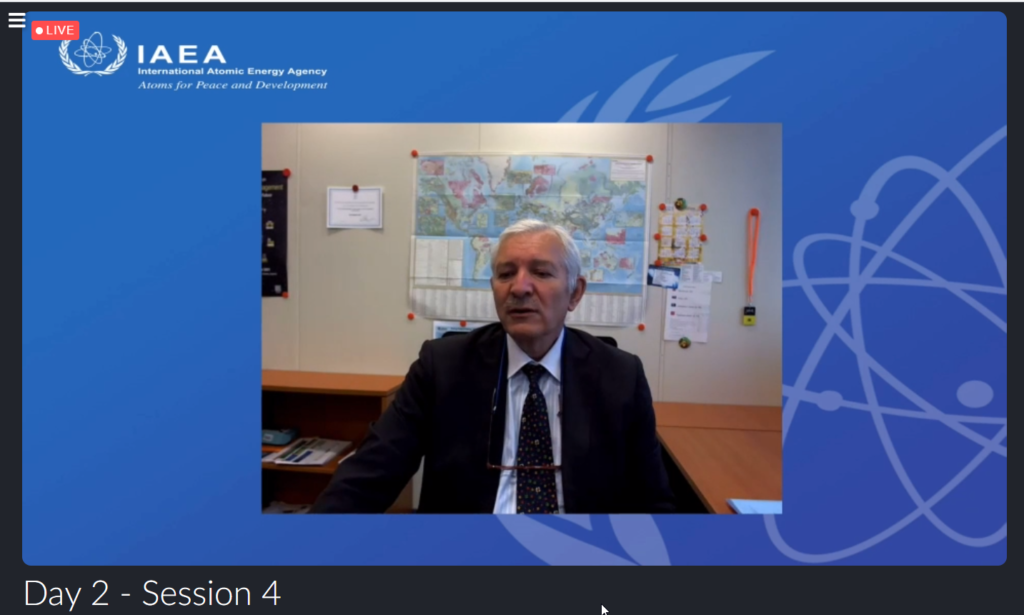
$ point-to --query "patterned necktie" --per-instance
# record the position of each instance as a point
(535, 489)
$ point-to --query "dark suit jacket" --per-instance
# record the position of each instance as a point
(611, 458)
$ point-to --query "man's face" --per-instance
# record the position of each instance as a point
(530, 284)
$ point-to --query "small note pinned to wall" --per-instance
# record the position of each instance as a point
(354, 208)
(711, 276)
(688, 312)
(629, 170)
(665, 277)
(690, 273)
(447, 326)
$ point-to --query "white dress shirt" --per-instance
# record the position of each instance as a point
(518, 386)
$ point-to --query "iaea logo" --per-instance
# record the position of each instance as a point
(93, 53)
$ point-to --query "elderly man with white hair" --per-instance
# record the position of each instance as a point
(522, 416)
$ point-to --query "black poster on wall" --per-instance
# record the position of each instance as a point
(275, 233)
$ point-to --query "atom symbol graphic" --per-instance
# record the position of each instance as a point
(92, 50)
(972, 394)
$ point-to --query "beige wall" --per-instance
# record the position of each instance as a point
(731, 167)
(348, 289)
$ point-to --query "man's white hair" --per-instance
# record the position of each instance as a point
(571, 254)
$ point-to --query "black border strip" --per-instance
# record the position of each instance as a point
(494, 590)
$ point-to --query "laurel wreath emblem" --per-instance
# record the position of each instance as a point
(122, 54)
(624, 101)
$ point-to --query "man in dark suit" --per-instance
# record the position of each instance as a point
(525, 416)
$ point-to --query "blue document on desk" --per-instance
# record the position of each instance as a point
(756, 507)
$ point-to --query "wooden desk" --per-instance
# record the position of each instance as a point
(718, 416)
(724, 452)
(723, 464)
(331, 384)
(326, 405)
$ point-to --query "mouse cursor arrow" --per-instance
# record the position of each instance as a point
(604, 611)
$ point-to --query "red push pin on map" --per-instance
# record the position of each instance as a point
(703, 238)
(657, 263)
(287, 173)
(285, 294)
(411, 316)
(661, 207)
(650, 158)
(657, 237)
(462, 323)
(703, 207)
(415, 154)
(355, 188)
(640, 327)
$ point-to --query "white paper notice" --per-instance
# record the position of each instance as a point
(690, 273)
(711, 276)
(347, 208)
(629, 170)
(449, 326)
(688, 312)
(664, 278)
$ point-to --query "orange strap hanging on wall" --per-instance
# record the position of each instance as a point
(753, 233)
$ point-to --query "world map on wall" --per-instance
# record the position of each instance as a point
(474, 198)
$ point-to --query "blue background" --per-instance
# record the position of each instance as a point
(141, 318)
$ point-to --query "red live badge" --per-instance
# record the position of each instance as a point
(55, 30)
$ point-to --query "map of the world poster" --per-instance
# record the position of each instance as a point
(463, 203)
